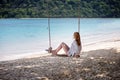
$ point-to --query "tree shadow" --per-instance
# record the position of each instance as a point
(102, 64)
(96, 65)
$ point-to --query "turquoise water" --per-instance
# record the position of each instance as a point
(21, 36)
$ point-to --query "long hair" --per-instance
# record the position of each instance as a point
(77, 38)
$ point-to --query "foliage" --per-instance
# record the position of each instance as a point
(59, 8)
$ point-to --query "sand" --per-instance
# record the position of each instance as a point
(100, 61)
(103, 64)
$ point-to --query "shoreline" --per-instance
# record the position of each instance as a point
(95, 46)
(35, 39)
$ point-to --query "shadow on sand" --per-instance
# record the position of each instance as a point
(93, 65)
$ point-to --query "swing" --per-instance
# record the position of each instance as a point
(50, 47)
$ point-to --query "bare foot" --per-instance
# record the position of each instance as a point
(49, 49)
(54, 52)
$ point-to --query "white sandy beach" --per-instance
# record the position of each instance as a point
(100, 64)
(114, 43)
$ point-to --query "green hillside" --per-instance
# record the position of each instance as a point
(59, 8)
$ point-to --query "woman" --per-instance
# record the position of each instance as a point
(75, 48)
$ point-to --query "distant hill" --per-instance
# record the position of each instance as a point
(59, 8)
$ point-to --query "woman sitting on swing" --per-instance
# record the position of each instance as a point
(74, 50)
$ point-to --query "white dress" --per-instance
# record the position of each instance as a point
(74, 49)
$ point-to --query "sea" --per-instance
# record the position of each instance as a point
(26, 36)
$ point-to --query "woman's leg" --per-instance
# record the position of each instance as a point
(62, 45)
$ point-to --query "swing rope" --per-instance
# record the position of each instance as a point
(79, 16)
(49, 32)
(79, 25)
(50, 48)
